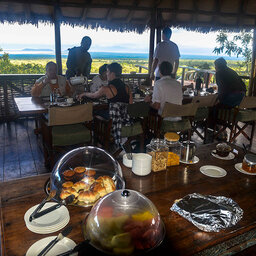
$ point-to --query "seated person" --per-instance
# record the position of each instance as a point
(231, 88)
(49, 82)
(99, 80)
(167, 89)
(115, 91)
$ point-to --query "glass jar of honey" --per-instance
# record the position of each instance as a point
(249, 163)
(172, 141)
(159, 152)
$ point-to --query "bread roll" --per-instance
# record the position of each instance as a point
(81, 185)
(67, 184)
(107, 182)
(88, 197)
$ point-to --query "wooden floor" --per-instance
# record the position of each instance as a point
(21, 150)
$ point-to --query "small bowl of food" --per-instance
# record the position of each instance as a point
(223, 149)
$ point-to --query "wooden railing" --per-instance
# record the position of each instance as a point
(17, 85)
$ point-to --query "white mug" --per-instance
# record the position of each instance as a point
(69, 100)
(76, 80)
(141, 164)
(137, 95)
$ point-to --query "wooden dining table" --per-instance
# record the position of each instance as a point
(162, 188)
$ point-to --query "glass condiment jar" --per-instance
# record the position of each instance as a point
(249, 163)
(172, 141)
(159, 152)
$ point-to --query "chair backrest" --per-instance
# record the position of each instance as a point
(138, 109)
(248, 102)
(205, 101)
(174, 110)
(70, 115)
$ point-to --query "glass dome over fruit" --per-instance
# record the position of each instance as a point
(84, 175)
(124, 222)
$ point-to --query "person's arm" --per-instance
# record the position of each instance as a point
(38, 87)
(155, 105)
(101, 92)
(130, 94)
(68, 89)
(154, 65)
(176, 66)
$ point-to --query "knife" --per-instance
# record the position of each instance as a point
(40, 206)
(60, 236)
(68, 200)
(77, 248)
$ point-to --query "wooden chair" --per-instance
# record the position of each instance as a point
(244, 116)
(159, 125)
(66, 127)
(138, 111)
(205, 103)
(233, 118)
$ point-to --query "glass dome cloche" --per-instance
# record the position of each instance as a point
(124, 222)
(84, 175)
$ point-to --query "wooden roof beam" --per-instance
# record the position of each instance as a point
(27, 11)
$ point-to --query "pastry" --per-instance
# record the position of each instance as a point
(67, 184)
(64, 194)
(88, 180)
(107, 182)
(88, 197)
(80, 170)
(81, 185)
(71, 191)
(90, 173)
(97, 187)
(68, 174)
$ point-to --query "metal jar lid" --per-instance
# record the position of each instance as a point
(250, 159)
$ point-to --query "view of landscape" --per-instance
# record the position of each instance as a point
(32, 58)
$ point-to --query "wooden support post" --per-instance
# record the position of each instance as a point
(57, 39)
(152, 40)
(183, 76)
(6, 102)
(252, 85)
(158, 26)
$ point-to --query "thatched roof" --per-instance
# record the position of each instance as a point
(135, 15)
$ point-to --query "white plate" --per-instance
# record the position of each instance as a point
(62, 246)
(48, 223)
(229, 157)
(64, 104)
(213, 171)
(240, 169)
(195, 160)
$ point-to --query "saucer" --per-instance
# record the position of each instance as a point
(195, 160)
(238, 166)
(213, 171)
(229, 157)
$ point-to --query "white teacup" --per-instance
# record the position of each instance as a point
(70, 100)
(141, 164)
(137, 96)
(53, 81)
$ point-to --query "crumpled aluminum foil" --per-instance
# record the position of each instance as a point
(209, 213)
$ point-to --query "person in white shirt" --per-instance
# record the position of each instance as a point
(166, 89)
(165, 51)
(99, 80)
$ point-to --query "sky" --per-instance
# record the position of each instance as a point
(15, 37)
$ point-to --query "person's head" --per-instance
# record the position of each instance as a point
(167, 33)
(86, 43)
(103, 71)
(114, 70)
(165, 68)
(220, 64)
(51, 69)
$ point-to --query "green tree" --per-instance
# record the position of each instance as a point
(240, 45)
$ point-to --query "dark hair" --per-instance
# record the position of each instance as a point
(165, 68)
(167, 32)
(220, 62)
(103, 69)
(86, 42)
(115, 68)
(49, 64)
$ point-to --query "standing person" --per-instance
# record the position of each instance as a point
(231, 88)
(50, 82)
(166, 89)
(79, 59)
(99, 80)
(165, 51)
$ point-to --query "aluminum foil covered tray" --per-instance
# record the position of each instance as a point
(209, 213)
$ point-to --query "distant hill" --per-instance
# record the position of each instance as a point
(36, 50)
